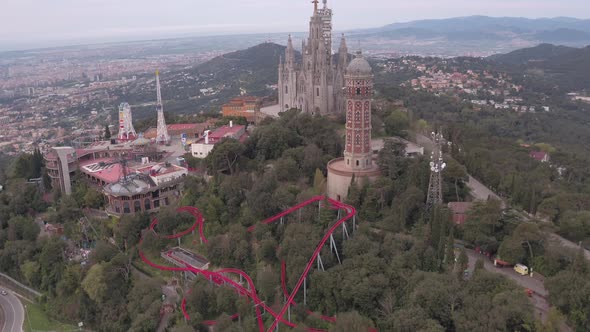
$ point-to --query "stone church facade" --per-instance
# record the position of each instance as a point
(316, 84)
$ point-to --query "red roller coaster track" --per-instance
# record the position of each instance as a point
(220, 277)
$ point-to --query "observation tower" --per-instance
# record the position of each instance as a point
(358, 155)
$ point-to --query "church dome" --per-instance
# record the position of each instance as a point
(359, 66)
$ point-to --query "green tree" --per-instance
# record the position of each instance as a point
(95, 284)
(396, 123)
(225, 156)
(351, 322)
(462, 263)
(31, 270)
(319, 181)
(392, 158)
(107, 132)
(93, 199)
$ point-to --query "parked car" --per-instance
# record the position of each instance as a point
(521, 269)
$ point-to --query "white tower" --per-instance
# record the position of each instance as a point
(126, 130)
(162, 130)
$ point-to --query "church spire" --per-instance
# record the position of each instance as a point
(343, 46)
(315, 6)
(290, 54)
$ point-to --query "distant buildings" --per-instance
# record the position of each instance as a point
(202, 147)
(247, 107)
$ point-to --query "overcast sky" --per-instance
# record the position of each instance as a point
(30, 21)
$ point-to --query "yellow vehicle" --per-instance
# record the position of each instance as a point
(521, 269)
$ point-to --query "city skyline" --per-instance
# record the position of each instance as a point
(30, 23)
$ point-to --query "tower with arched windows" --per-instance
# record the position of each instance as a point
(359, 90)
(357, 164)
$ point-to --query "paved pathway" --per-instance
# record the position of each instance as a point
(14, 313)
(482, 193)
(534, 284)
(568, 244)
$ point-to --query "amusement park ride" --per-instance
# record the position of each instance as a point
(245, 287)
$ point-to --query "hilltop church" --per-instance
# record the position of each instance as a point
(315, 85)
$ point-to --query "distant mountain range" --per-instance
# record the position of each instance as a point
(568, 66)
(538, 54)
(473, 34)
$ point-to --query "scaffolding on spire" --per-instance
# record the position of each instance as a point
(126, 130)
(161, 131)
(437, 165)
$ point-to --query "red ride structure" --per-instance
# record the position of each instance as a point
(220, 277)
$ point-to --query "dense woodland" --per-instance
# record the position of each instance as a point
(400, 270)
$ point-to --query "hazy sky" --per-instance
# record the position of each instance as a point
(29, 21)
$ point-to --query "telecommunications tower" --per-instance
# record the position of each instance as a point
(126, 130)
(161, 131)
(437, 165)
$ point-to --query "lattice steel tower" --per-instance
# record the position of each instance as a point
(437, 165)
(162, 131)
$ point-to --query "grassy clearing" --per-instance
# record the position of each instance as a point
(36, 320)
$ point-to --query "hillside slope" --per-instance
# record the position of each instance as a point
(541, 52)
(567, 67)
(250, 69)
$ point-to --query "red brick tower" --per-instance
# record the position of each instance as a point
(359, 92)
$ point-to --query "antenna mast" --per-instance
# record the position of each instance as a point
(162, 130)
(437, 165)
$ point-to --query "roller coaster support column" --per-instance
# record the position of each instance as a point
(333, 245)
(354, 223)
(305, 291)
(344, 231)
(320, 263)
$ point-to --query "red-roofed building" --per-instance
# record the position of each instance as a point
(540, 156)
(247, 107)
(202, 147)
(192, 130)
(145, 189)
(459, 210)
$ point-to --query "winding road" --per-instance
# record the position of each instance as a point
(14, 312)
